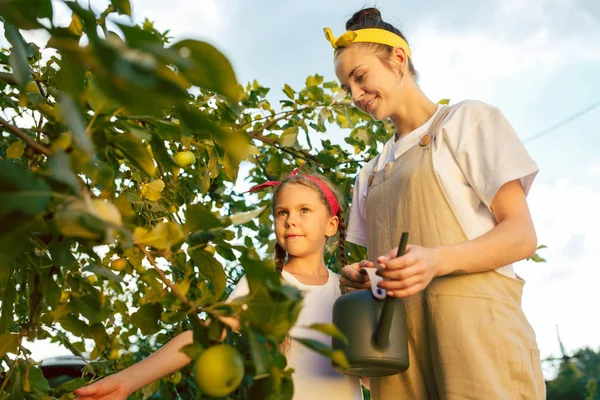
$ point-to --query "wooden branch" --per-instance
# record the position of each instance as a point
(8, 78)
(298, 153)
(170, 285)
(23, 136)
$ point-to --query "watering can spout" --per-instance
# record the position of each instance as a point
(381, 336)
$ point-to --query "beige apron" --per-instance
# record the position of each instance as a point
(468, 336)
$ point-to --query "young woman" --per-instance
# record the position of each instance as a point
(306, 211)
(456, 179)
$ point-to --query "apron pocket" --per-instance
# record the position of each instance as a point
(467, 358)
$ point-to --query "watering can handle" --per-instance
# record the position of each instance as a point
(378, 293)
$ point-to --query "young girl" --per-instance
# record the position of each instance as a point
(306, 211)
(456, 179)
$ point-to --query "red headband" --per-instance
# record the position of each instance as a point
(332, 202)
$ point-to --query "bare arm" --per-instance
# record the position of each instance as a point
(512, 239)
(164, 361)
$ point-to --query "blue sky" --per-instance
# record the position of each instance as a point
(538, 61)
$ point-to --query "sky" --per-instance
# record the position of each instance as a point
(537, 60)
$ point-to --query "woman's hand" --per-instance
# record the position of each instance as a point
(406, 275)
(111, 387)
(353, 279)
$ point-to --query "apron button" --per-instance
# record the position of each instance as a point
(425, 140)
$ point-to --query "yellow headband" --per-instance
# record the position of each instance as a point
(370, 35)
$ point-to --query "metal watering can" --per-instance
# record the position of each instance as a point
(375, 326)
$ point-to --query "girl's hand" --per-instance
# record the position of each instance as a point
(409, 274)
(353, 279)
(107, 388)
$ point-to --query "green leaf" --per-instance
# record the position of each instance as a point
(76, 26)
(314, 80)
(138, 37)
(18, 55)
(90, 306)
(208, 68)
(193, 351)
(8, 301)
(230, 167)
(198, 217)
(71, 323)
(21, 191)
(72, 116)
(24, 14)
(330, 330)
(537, 258)
(147, 317)
(9, 343)
(258, 352)
(336, 356)
(15, 150)
(71, 385)
(289, 92)
(210, 268)
(162, 237)
(122, 6)
(70, 78)
(60, 170)
(289, 136)
(244, 217)
(133, 148)
(103, 271)
(97, 100)
(39, 386)
(87, 17)
(199, 124)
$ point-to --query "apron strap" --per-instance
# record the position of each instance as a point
(425, 140)
(434, 128)
(374, 170)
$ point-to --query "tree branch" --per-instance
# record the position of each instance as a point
(8, 78)
(260, 164)
(170, 284)
(299, 153)
(23, 136)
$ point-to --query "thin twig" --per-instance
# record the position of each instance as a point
(261, 165)
(290, 112)
(300, 154)
(170, 284)
(23, 136)
(8, 78)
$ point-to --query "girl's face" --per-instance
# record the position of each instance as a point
(375, 87)
(302, 221)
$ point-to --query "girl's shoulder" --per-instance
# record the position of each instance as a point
(334, 275)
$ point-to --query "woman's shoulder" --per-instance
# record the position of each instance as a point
(473, 110)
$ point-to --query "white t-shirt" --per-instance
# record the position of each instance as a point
(475, 153)
(313, 376)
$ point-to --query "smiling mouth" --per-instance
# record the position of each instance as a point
(369, 104)
(293, 236)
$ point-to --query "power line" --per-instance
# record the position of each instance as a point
(561, 123)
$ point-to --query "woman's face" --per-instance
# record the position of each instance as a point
(373, 84)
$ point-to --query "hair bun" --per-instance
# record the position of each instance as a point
(367, 16)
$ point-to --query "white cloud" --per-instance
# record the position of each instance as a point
(463, 55)
(199, 19)
(565, 291)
